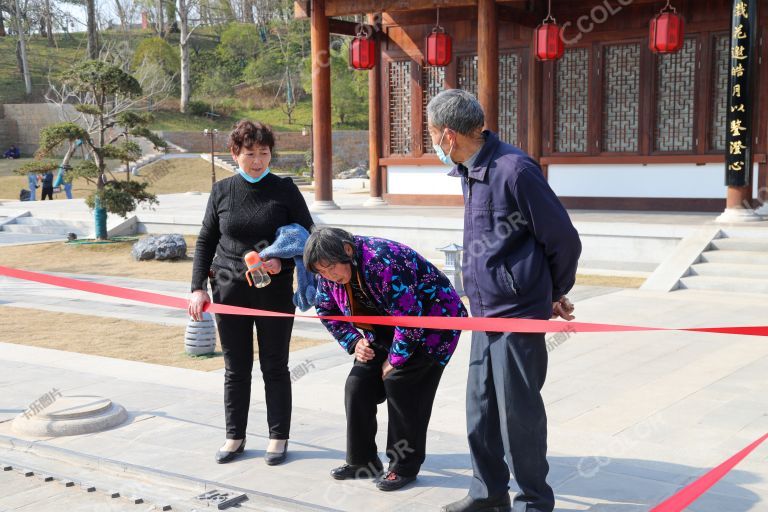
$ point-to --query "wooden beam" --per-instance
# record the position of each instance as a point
(526, 18)
(349, 7)
(488, 62)
(344, 28)
(301, 9)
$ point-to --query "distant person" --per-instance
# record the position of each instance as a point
(13, 153)
(32, 180)
(47, 186)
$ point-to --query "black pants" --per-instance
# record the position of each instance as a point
(47, 192)
(409, 392)
(505, 416)
(273, 335)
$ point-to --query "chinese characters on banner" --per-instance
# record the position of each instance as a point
(739, 137)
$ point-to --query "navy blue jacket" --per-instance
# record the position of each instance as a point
(520, 247)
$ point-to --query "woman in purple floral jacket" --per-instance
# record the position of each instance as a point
(366, 276)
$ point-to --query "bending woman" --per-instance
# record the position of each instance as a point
(365, 276)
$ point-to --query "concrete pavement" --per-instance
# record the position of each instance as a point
(632, 418)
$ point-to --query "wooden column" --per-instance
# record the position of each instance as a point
(534, 106)
(488, 62)
(374, 123)
(322, 142)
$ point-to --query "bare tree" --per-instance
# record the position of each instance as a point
(22, 45)
(93, 42)
(48, 16)
(186, 27)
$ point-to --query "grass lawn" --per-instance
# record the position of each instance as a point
(166, 177)
(302, 116)
(109, 337)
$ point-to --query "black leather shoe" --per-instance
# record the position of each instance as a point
(351, 471)
(469, 504)
(222, 457)
(275, 458)
(392, 481)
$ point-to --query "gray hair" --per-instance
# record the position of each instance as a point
(327, 245)
(457, 110)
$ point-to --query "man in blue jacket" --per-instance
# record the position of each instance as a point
(520, 257)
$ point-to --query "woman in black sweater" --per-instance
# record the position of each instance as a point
(243, 215)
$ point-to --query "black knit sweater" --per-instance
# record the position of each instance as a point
(243, 217)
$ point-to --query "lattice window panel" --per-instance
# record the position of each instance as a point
(621, 98)
(572, 101)
(720, 69)
(399, 83)
(467, 73)
(509, 97)
(675, 99)
(432, 82)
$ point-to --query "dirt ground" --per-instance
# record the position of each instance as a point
(109, 337)
(103, 259)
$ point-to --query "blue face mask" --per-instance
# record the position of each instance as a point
(446, 159)
(251, 179)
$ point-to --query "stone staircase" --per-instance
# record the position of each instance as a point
(227, 162)
(36, 226)
(735, 261)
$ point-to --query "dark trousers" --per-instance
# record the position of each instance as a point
(505, 416)
(273, 335)
(47, 191)
(409, 392)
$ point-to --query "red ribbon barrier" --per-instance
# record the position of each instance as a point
(674, 504)
(427, 322)
(693, 491)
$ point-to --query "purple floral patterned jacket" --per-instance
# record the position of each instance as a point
(401, 283)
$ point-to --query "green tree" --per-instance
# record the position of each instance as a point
(101, 86)
(156, 50)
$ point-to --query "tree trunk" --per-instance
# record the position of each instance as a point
(160, 18)
(184, 47)
(247, 7)
(121, 14)
(93, 44)
(2, 24)
(23, 50)
(49, 23)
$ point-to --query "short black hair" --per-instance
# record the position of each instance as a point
(327, 244)
(247, 134)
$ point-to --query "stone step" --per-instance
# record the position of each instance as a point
(726, 284)
(730, 270)
(749, 257)
(745, 232)
(42, 230)
(36, 221)
(740, 244)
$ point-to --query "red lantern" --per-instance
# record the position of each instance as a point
(362, 52)
(666, 31)
(439, 45)
(547, 43)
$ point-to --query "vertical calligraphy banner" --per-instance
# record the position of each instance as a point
(741, 75)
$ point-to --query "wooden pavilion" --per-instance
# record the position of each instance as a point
(614, 125)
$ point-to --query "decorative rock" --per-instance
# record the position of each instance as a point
(163, 247)
(72, 415)
(200, 337)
